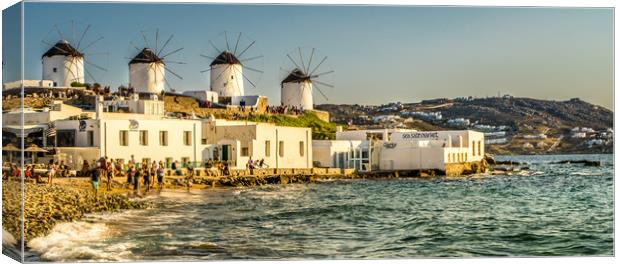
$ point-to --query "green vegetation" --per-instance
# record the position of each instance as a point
(87, 85)
(78, 84)
(320, 128)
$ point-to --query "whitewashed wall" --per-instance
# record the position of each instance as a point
(68, 69)
(147, 77)
(230, 81)
(107, 138)
(297, 94)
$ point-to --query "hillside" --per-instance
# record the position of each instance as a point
(514, 125)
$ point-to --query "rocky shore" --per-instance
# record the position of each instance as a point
(47, 205)
(70, 198)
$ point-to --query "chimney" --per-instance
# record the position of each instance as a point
(98, 106)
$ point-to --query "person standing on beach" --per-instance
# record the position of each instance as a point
(190, 176)
(50, 171)
(119, 167)
(136, 178)
(129, 173)
(15, 172)
(28, 172)
(94, 181)
(173, 167)
(102, 169)
(250, 166)
(110, 172)
(132, 161)
(154, 167)
(160, 175)
(145, 174)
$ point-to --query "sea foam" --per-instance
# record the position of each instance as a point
(77, 240)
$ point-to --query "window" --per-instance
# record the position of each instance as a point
(479, 149)
(124, 137)
(187, 138)
(144, 137)
(184, 161)
(301, 148)
(267, 148)
(245, 152)
(168, 162)
(90, 138)
(281, 148)
(163, 138)
(55, 69)
(473, 148)
(55, 84)
(203, 141)
(65, 138)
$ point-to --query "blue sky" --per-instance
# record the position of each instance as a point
(379, 53)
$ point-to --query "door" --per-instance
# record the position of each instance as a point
(224, 152)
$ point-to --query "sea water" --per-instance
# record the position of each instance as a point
(550, 210)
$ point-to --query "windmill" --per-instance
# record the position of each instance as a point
(301, 76)
(147, 69)
(230, 55)
(69, 47)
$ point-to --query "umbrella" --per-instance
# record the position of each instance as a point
(10, 148)
(34, 149)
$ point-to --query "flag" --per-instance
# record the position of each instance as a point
(50, 132)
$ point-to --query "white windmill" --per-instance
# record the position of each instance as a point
(301, 78)
(228, 63)
(63, 63)
(147, 69)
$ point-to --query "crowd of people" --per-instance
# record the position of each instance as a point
(144, 174)
(285, 109)
(137, 173)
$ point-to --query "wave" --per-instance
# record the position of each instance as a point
(581, 173)
(8, 239)
(79, 241)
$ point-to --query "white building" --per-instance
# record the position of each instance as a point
(227, 75)
(399, 149)
(344, 154)
(296, 90)
(121, 128)
(63, 64)
(28, 83)
(134, 104)
(238, 141)
(36, 121)
(496, 141)
(431, 149)
(578, 135)
(205, 96)
(147, 72)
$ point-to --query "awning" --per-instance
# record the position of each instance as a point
(17, 130)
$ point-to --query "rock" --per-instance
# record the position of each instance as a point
(47, 205)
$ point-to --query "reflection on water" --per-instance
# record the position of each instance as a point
(555, 209)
